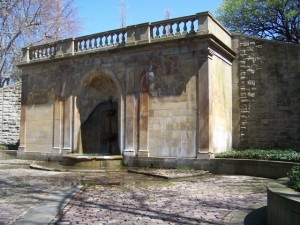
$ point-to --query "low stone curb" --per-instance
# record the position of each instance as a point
(176, 175)
(39, 167)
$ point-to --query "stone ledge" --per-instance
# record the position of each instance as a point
(283, 203)
(166, 163)
(8, 154)
(258, 168)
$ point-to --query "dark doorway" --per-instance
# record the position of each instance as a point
(100, 131)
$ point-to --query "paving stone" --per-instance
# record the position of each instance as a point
(200, 200)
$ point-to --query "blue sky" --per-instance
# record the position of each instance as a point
(103, 15)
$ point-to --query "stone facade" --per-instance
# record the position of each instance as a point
(144, 93)
(171, 94)
(10, 110)
(266, 94)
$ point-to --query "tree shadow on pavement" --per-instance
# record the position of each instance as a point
(257, 217)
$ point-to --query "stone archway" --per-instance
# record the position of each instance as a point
(98, 106)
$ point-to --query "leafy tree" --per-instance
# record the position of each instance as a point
(271, 19)
(31, 22)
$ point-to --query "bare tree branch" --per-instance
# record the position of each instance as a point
(28, 22)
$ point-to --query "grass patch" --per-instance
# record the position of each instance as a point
(294, 176)
(277, 155)
(185, 168)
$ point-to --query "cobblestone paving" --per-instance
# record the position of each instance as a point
(126, 198)
(22, 188)
(206, 200)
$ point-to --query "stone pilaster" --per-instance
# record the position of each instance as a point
(143, 124)
(203, 145)
(131, 124)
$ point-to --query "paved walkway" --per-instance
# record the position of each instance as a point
(125, 198)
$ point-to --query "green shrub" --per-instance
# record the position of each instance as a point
(278, 155)
(9, 146)
(3, 147)
(294, 176)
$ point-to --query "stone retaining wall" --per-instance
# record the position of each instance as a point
(10, 110)
(283, 203)
(266, 94)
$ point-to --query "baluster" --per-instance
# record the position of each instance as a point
(184, 28)
(157, 31)
(106, 40)
(192, 31)
(91, 43)
(111, 39)
(177, 29)
(171, 30)
(95, 42)
(84, 45)
(80, 46)
(100, 41)
(117, 38)
(123, 37)
(53, 50)
(76, 46)
(164, 31)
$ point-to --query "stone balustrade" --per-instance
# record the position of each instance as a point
(183, 27)
(174, 27)
(100, 40)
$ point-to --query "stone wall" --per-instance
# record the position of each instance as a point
(266, 94)
(10, 110)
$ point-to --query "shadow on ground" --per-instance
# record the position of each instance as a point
(257, 217)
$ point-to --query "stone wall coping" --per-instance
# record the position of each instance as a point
(280, 187)
(275, 42)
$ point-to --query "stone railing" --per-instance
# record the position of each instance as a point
(100, 40)
(199, 24)
(174, 27)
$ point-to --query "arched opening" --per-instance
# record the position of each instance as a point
(98, 106)
(100, 130)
